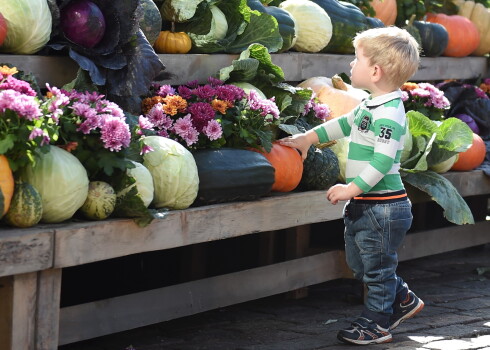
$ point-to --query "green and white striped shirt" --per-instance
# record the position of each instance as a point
(377, 129)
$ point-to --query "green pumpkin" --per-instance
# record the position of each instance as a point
(100, 202)
(229, 174)
(433, 36)
(287, 26)
(151, 21)
(347, 21)
(26, 207)
(320, 170)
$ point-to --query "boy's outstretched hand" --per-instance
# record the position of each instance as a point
(301, 142)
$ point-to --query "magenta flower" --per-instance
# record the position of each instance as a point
(205, 92)
(11, 83)
(322, 111)
(146, 149)
(166, 90)
(202, 113)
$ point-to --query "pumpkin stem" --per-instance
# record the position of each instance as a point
(412, 18)
(172, 27)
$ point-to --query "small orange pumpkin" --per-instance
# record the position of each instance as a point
(472, 157)
(288, 166)
(172, 42)
(6, 185)
(386, 11)
(463, 34)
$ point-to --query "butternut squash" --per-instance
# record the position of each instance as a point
(339, 101)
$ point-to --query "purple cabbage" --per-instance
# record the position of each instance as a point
(469, 121)
(83, 23)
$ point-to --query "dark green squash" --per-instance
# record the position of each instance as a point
(373, 22)
(229, 174)
(434, 38)
(287, 26)
(347, 21)
(320, 169)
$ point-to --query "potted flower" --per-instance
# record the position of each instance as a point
(426, 99)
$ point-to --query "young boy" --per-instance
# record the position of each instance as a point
(378, 213)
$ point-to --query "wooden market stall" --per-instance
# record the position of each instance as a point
(33, 261)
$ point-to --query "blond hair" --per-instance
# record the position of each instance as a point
(391, 48)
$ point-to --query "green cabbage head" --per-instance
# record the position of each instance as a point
(174, 173)
(29, 25)
(62, 182)
(143, 182)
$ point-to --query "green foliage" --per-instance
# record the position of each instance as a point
(419, 8)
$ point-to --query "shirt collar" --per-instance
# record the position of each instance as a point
(380, 100)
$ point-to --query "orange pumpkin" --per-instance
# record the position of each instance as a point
(172, 42)
(385, 11)
(288, 166)
(6, 185)
(472, 157)
(339, 101)
(463, 34)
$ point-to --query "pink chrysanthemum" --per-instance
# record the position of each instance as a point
(213, 130)
(115, 134)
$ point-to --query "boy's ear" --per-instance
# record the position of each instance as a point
(376, 73)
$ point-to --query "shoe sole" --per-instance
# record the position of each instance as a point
(412, 313)
(382, 340)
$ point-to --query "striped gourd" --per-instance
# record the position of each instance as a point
(100, 202)
(26, 207)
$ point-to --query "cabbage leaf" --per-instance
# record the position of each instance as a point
(442, 191)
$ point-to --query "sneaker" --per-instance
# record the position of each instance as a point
(406, 309)
(363, 331)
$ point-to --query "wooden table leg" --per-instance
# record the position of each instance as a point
(297, 242)
(29, 310)
(48, 309)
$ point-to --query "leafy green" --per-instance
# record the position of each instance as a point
(432, 143)
(130, 205)
(255, 66)
(244, 28)
(435, 142)
(444, 193)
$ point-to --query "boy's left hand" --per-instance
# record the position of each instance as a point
(342, 192)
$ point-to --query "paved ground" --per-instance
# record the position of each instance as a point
(455, 287)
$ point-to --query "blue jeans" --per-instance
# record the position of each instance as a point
(373, 233)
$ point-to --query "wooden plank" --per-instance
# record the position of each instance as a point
(297, 66)
(48, 307)
(86, 242)
(6, 298)
(80, 243)
(25, 250)
(424, 243)
(24, 311)
(108, 316)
